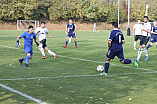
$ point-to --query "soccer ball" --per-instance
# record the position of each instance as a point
(100, 68)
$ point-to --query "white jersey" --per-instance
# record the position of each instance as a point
(146, 26)
(138, 29)
(42, 33)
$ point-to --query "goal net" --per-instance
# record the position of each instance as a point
(23, 24)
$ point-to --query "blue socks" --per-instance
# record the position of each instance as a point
(66, 43)
(75, 43)
(106, 67)
(127, 61)
(148, 46)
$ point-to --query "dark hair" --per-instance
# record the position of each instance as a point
(115, 24)
(146, 17)
(30, 26)
(42, 22)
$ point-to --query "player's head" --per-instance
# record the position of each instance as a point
(155, 23)
(42, 24)
(139, 21)
(30, 29)
(145, 19)
(70, 21)
(115, 24)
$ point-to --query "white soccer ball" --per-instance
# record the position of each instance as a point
(100, 68)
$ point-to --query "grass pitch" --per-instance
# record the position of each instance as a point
(71, 78)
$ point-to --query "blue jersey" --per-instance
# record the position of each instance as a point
(154, 29)
(116, 37)
(71, 27)
(28, 39)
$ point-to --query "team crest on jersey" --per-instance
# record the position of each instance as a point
(31, 36)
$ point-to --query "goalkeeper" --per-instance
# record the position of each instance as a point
(28, 44)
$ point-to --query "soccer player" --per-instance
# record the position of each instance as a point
(153, 35)
(28, 44)
(137, 32)
(115, 48)
(146, 29)
(70, 31)
(42, 31)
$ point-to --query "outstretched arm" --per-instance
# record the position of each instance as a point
(18, 38)
(35, 40)
(49, 35)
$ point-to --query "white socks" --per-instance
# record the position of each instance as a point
(134, 45)
(42, 50)
(70, 40)
(139, 53)
(51, 53)
(145, 50)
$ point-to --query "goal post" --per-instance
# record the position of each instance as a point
(23, 24)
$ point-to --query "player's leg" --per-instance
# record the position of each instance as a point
(70, 39)
(140, 49)
(50, 52)
(136, 38)
(42, 51)
(151, 42)
(145, 49)
(74, 37)
(66, 43)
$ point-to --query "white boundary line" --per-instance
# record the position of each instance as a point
(94, 75)
(22, 94)
(87, 60)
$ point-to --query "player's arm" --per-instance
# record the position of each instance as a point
(133, 34)
(75, 28)
(17, 43)
(36, 32)
(149, 30)
(49, 35)
(35, 40)
(66, 30)
(109, 44)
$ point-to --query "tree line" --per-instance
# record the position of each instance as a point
(84, 10)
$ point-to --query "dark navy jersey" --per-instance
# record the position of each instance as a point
(71, 27)
(154, 29)
(28, 39)
(116, 37)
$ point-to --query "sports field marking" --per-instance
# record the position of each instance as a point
(22, 94)
(74, 76)
(87, 60)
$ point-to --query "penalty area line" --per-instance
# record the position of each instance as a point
(22, 94)
(74, 76)
(88, 60)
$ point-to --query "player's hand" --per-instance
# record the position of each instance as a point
(147, 6)
(108, 48)
(74, 32)
(17, 44)
(50, 36)
(66, 33)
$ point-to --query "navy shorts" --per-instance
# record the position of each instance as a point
(153, 38)
(71, 34)
(112, 53)
(28, 50)
(144, 40)
(43, 42)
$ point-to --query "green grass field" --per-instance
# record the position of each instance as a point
(72, 78)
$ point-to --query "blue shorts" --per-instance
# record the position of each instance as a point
(153, 38)
(28, 50)
(112, 53)
(71, 34)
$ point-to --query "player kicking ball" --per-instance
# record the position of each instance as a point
(28, 44)
(70, 32)
(115, 48)
(42, 31)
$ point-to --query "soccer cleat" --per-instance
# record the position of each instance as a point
(55, 55)
(146, 58)
(135, 63)
(65, 46)
(137, 59)
(75, 46)
(43, 57)
(103, 73)
(26, 65)
(20, 60)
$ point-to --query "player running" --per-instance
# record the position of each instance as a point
(137, 32)
(146, 29)
(115, 48)
(28, 44)
(153, 35)
(70, 31)
(42, 31)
